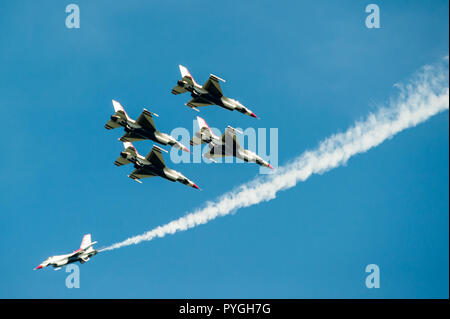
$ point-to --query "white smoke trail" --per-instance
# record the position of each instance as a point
(425, 95)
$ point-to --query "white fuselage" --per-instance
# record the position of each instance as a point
(157, 136)
(223, 101)
(228, 149)
(61, 260)
(168, 173)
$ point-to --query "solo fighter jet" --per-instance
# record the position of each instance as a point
(83, 254)
(227, 145)
(141, 129)
(150, 166)
(208, 94)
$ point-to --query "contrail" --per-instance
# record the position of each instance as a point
(426, 94)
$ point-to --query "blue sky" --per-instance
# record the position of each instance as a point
(308, 68)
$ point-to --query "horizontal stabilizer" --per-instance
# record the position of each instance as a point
(111, 125)
(178, 90)
(121, 161)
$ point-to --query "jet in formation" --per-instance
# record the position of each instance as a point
(226, 145)
(83, 254)
(150, 166)
(208, 94)
(142, 129)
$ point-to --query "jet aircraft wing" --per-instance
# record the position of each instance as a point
(155, 157)
(197, 102)
(146, 121)
(142, 172)
(212, 85)
(216, 151)
(230, 137)
(131, 137)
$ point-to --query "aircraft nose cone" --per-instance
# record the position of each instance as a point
(269, 166)
(38, 267)
(195, 186)
(253, 115)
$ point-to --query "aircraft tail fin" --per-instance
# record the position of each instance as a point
(203, 135)
(202, 125)
(120, 111)
(128, 146)
(186, 75)
(86, 242)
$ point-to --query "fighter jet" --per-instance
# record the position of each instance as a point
(141, 129)
(83, 254)
(150, 166)
(227, 145)
(208, 94)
